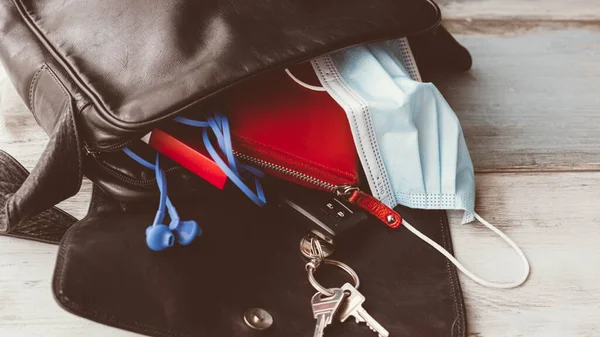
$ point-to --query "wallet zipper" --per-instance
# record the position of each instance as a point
(286, 171)
(352, 193)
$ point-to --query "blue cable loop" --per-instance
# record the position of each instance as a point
(162, 186)
(160, 180)
(219, 125)
(160, 213)
(139, 159)
(191, 122)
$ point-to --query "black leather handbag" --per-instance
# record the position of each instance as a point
(98, 75)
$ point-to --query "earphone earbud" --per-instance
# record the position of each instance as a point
(159, 237)
(186, 231)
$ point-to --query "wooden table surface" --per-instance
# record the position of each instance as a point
(530, 109)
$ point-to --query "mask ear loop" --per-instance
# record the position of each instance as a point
(463, 269)
(304, 84)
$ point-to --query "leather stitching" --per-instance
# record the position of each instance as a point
(455, 285)
(7, 214)
(71, 70)
(450, 278)
(71, 117)
(8, 230)
(32, 87)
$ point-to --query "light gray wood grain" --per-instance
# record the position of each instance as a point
(531, 101)
(521, 9)
(515, 27)
(27, 307)
(555, 218)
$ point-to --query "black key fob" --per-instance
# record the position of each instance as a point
(320, 211)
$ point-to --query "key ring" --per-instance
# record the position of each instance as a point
(312, 266)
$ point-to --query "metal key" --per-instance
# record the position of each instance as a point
(325, 309)
(353, 307)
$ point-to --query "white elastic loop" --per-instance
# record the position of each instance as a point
(467, 272)
(304, 84)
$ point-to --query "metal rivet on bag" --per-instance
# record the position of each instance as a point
(390, 219)
(258, 319)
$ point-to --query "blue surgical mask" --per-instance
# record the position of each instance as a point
(409, 140)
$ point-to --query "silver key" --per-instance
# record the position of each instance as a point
(325, 309)
(353, 307)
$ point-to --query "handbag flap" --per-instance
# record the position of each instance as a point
(139, 62)
(247, 258)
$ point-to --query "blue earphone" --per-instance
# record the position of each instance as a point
(160, 236)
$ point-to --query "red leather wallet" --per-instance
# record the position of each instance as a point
(289, 132)
(296, 134)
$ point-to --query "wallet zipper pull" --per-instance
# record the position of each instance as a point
(370, 204)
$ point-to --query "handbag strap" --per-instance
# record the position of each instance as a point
(27, 199)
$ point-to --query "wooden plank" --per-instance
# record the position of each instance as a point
(520, 9)
(531, 101)
(27, 307)
(555, 218)
(506, 27)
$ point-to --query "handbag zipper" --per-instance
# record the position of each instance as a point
(117, 174)
(352, 193)
(114, 148)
